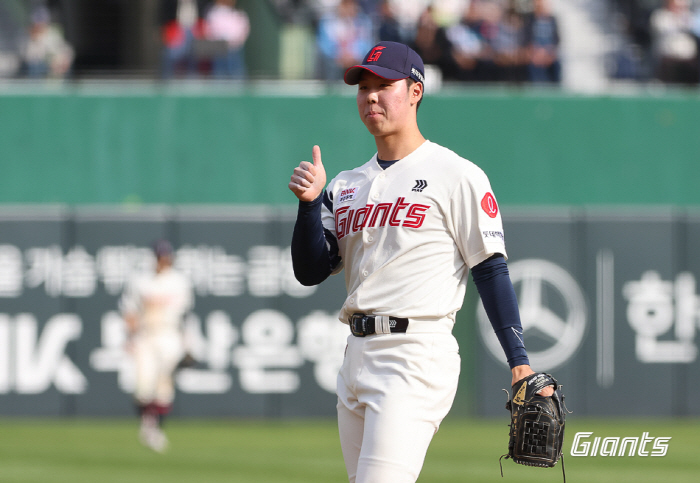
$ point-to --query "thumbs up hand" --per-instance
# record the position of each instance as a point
(308, 180)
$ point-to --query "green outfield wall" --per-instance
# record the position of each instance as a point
(211, 144)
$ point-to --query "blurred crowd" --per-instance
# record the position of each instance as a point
(198, 37)
(204, 37)
(660, 40)
(513, 41)
(477, 40)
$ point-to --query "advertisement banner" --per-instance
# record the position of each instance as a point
(608, 300)
(609, 306)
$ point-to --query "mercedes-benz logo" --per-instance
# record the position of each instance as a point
(552, 311)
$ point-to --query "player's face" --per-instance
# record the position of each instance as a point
(385, 106)
(163, 262)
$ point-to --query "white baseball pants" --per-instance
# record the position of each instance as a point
(393, 392)
(155, 357)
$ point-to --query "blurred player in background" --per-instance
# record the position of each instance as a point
(153, 306)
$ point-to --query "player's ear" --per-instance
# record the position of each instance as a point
(416, 92)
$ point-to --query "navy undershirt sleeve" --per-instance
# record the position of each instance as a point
(314, 249)
(495, 288)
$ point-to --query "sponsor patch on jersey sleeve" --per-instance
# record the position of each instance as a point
(493, 234)
(488, 204)
(348, 194)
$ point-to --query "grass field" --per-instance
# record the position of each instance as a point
(233, 451)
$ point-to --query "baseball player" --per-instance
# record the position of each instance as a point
(153, 306)
(407, 226)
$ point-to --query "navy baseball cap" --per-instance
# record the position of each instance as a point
(162, 248)
(389, 60)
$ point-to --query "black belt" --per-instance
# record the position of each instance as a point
(362, 325)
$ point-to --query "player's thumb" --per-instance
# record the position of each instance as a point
(316, 156)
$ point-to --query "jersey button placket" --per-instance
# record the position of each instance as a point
(374, 190)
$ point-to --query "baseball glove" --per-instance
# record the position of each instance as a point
(536, 423)
(186, 362)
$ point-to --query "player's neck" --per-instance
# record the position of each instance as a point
(398, 145)
(162, 268)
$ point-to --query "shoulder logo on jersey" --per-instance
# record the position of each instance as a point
(375, 54)
(488, 204)
(421, 184)
(348, 194)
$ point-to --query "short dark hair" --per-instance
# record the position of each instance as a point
(409, 83)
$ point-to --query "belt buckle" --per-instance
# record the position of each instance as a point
(358, 325)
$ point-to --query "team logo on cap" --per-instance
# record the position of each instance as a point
(375, 53)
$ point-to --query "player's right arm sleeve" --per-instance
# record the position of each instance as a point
(314, 249)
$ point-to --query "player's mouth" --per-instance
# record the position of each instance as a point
(373, 114)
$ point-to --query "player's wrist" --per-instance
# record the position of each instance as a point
(306, 205)
(520, 372)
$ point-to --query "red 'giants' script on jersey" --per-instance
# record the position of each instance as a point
(400, 213)
(488, 203)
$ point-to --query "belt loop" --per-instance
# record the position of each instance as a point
(381, 324)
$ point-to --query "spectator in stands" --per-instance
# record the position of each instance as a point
(181, 26)
(388, 28)
(432, 45)
(469, 50)
(673, 46)
(344, 36)
(542, 43)
(46, 53)
(407, 14)
(491, 14)
(626, 59)
(224, 22)
(507, 44)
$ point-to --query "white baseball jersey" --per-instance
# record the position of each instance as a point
(159, 299)
(409, 234)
